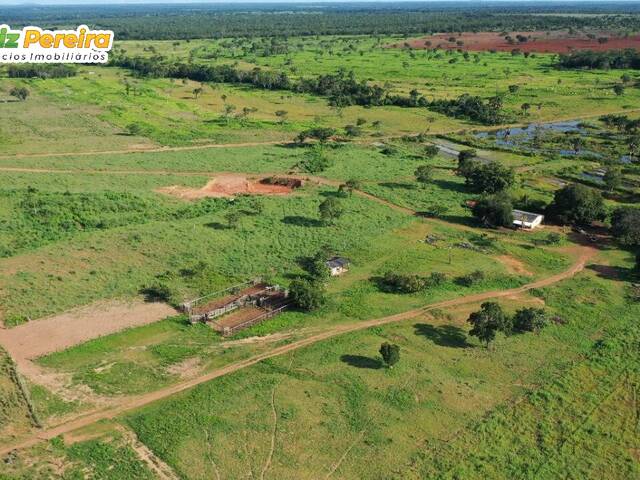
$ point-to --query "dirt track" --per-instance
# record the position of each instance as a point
(144, 150)
(584, 254)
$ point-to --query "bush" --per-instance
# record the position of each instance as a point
(530, 319)
(494, 211)
(471, 279)
(307, 295)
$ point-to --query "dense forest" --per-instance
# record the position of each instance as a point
(256, 20)
(587, 59)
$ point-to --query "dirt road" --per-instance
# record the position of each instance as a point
(584, 254)
(144, 150)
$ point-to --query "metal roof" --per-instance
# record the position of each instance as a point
(523, 216)
(337, 262)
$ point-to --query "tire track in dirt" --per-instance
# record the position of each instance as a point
(584, 254)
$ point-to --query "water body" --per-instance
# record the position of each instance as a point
(520, 137)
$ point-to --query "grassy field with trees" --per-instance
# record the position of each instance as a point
(214, 149)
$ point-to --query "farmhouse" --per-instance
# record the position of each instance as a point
(526, 220)
(337, 265)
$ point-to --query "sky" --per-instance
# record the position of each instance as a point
(125, 2)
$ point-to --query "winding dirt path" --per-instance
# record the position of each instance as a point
(583, 254)
(144, 150)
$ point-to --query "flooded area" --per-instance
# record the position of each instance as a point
(547, 138)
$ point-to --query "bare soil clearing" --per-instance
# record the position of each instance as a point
(40, 337)
(227, 185)
(514, 265)
(582, 254)
(540, 42)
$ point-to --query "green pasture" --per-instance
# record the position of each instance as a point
(417, 418)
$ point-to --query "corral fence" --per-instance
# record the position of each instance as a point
(227, 331)
(191, 307)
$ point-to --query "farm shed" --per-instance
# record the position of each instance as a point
(337, 265)
(526, 220)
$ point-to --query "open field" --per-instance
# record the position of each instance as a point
(199, 161)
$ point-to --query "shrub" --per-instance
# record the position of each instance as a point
(529, 319)
(471, 279)
(307, 295)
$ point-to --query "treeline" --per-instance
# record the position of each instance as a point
(341, 89)
(611, 59)
(40, 70)
(470, 107)
(172, 22)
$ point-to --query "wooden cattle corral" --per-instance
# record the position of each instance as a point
(239, 308)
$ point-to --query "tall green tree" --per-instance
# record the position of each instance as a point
(494, 210)
(390, 353)
(330, 210)
(424, 174)
(487, 321)
(576, 204)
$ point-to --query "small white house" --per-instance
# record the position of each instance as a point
(526, 220)
(337, 265)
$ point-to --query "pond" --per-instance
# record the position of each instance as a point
(520, 137)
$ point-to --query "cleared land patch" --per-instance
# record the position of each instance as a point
(227, 185)
(541, 42)
(34, 339)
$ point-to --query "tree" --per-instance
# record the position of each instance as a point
(525, 108)
(390, 353)
(282, 115)
(196, 92)
(491, 177)
(618, 89)
(134, 129)
(232, 218)
(316, 160)
(351, 185)
(613, 178)
(576, 204)
(529, 319)
(317, 266)
(514, 88)
(467, 154)
(625, 225)
(307, 295)
(353, 130)
(423, 174)
(494, 211)
(330, 210)
(487, 321)
(21, 93)
(430, 151)
(322, 134)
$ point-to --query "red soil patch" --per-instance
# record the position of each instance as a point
(553, 42)
(228, 185)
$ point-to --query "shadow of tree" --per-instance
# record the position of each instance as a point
(443, 335)
(613, 273)
(405, 186)
(449, 185)
(216, 226)
(360, 361)
(299, 221)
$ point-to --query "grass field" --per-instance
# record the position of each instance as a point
(84, 221)
(418, 418)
